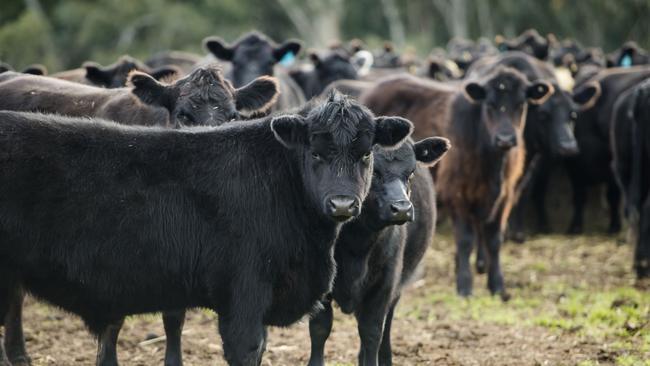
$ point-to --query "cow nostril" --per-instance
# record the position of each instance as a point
(400, 207)
(343, 206)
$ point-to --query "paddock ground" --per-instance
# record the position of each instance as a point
(575, 302)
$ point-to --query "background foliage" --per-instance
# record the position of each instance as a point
(64, 33)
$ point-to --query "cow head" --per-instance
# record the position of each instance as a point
(116, 75)
(251, 56)
(204, 97)
(334, 66)
(504, 96)
(388, 202)
(334, 143)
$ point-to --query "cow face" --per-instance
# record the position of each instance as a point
(504, 97)
(334, 143)
(388, 202)
(550, 125)
(205, 98)
(252, 56)
(335, 66)
(116, 75)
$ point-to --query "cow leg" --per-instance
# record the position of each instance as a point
(493, 239)
(642, 251)
(385, 350)
(579, 200)
(173, 322)
(481, 264)
(320, 326)
(614, 202)
(8, 288)
(107, 344)
(243, 333)
(538, 196)
(464, 243)
(14, 338)
(370, 323)
(516, 225)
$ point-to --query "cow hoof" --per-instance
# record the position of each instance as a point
(481, 268)
(21, 361)
(574, 230)
(505, 296)
(518, 237)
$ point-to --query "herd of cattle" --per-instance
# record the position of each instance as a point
(264, 188)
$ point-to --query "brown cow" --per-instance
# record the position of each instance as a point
(484, 119)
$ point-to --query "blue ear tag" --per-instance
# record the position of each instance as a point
(288, 59)
(626, 61)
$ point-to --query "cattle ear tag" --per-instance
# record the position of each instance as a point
(540, 89)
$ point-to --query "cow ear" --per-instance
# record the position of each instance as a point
(539, 92)
(219, 48)
(434, 69)
(292, 46)
(430, 150)
(165, 72)
(96, 74)
(313, 57)
(149, 90)
(290, 130)
(258, 96)
(390, 132)
(474, 92)
(36, 69)
(587, 95)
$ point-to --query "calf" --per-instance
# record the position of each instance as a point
(332, 67)
(592, 132)
(630, 140)
(201, 98)
(484, 119)
(376, 254)
(254, 55)
(123, 220)
(115, 75)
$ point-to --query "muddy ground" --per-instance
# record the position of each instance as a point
(575, 302)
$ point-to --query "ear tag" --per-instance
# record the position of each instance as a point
(626, 61)
(288, 59)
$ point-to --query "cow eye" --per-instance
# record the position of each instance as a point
(411, 176)
(316, 156)
(366, 157)
(185, 117)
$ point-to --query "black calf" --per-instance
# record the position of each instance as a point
(376, 255)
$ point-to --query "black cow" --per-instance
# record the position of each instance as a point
(116, 74)
(530, 42)
(629, 54)
(375, 256)
(334, 66)
(254, 55)
(255, 93)
(34, 69)
(201, 98)
(185, 61)
(123, 220)
(630, 137)
(592, 130)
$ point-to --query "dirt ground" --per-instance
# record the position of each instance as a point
(574, 302)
